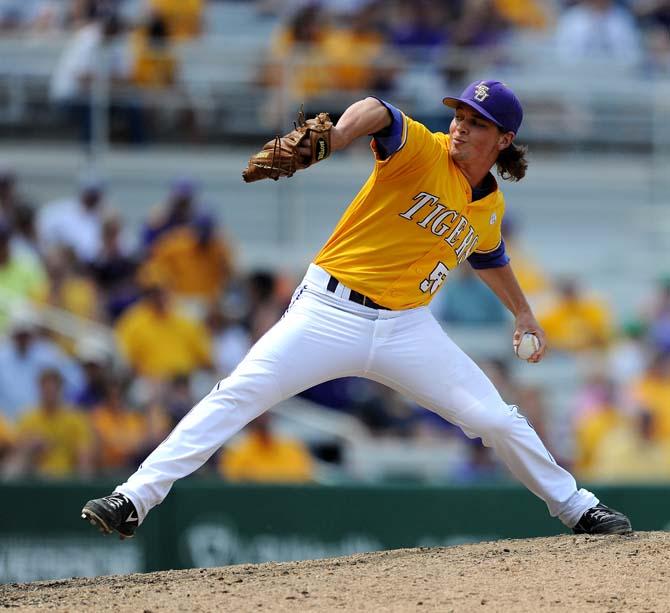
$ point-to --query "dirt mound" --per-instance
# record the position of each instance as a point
(564, 573)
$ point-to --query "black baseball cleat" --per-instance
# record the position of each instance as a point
(114, 512)
(603, 520)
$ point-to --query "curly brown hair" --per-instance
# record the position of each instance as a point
(512, 163)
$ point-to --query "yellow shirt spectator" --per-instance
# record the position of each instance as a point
(60, 437)
(265, 458)
(6, 435)
(191, 267)
(309, 77)
(577, 322)
(160, 342)
(77, 295)
(337, 59)
(120, 434)
(183, 17)
(353, 56)
(524, 13)
(153, 66)
(590, 431)
(626, 455)
(651, 393)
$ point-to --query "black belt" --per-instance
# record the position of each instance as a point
(355, 296)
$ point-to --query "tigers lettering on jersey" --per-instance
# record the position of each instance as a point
(412, 222)
(442, 219)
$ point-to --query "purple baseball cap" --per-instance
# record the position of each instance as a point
(493, 100)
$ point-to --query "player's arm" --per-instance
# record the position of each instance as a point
(503, 283)
(365, 117)
(313, 140)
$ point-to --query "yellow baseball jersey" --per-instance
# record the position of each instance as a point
(411, 223)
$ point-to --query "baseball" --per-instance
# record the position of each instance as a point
(528, 345)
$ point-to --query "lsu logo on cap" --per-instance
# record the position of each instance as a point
(481, 92)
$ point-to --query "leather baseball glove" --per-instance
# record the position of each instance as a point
(307, 144)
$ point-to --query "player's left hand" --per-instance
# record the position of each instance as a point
(283, 156)
(526, 322)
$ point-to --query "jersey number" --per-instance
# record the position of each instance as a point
(435, 279)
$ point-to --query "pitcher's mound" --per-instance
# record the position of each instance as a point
(563, 573)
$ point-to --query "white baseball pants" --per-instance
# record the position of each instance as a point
(324, 336)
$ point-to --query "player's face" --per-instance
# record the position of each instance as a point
(473, 137)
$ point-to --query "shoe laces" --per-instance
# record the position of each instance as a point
(601, 512)
(117, 500)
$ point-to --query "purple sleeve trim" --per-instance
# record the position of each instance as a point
(494, 259)
(389, 139)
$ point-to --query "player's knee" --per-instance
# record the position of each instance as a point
(496, 424)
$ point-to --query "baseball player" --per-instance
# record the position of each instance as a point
(430, 204)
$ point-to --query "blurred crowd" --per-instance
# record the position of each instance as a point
(356, 28)
(143, 314)
(320, 50)
(110, 334)
(618, 398)
(403, 47)
(183, 17)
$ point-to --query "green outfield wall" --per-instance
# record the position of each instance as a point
(205, 523)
